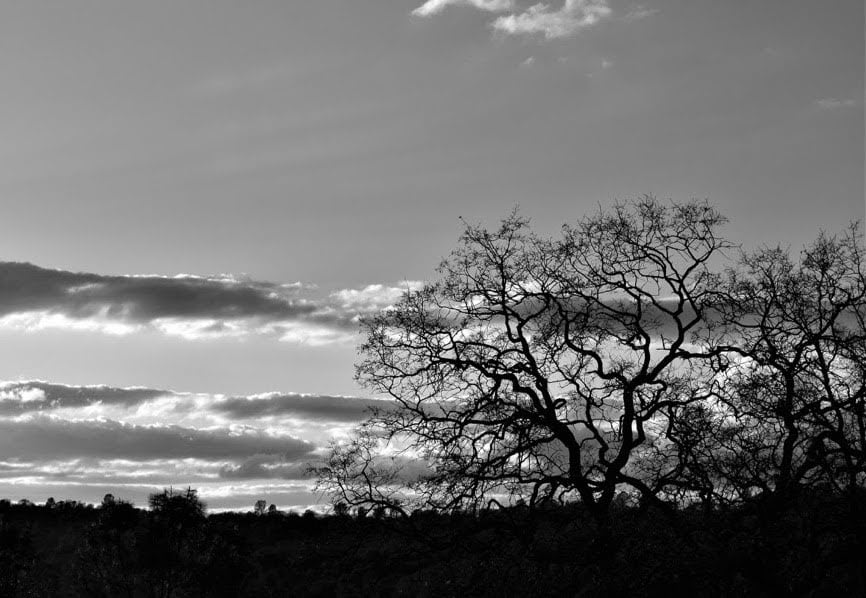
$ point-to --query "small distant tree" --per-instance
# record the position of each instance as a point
(179, 506)
(259, 507)
(273, 510)
(50, 503)
(177, 544)
(108, 500)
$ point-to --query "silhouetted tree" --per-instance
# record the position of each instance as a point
(788, 411)
(177, 544)
(108, 558)
(181, 507)
(259, 507)
(536, 368)
(341, 509)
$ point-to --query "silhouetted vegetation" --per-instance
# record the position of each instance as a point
(631, 354)
(810, 546)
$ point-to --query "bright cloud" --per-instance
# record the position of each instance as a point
(89, 440)
(144, 406)
(538, 19)
(541, 19)
(432, 7)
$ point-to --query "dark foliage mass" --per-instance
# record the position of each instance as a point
(814, 546)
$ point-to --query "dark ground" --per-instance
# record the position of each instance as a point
(815, 546)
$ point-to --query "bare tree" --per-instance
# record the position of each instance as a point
(790, 342)
(542, 369)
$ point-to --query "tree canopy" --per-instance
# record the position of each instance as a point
(633, 353)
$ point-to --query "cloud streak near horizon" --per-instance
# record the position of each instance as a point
(103, 438)
(186, 306)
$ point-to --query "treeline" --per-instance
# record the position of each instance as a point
(814, 545)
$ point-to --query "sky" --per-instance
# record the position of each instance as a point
(199, 199)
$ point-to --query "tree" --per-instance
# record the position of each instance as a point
(536, 368)
(177, 545)
(341, 509)
(259, 507)
(180, 507)
(108, 555)
(791, 343)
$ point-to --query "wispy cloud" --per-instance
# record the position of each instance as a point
(29, 396)
(317, 407)
(638, 12)
(137, 404)
(834, 103)
(249, 80)
(541, 19)
(263, 467)
(432, 7)
(186, 306)
(46, 437)
(537, 19)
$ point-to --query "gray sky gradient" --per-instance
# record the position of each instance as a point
(253, 145)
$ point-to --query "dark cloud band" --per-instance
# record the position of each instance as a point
(18, 398)
(40, 438)
(187, 306)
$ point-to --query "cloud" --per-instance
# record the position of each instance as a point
(537, 19)
(263, 467)
(541, 19)
(144, 404)
(44, 437)
(373, 297)
(834, 103)
(318, 407)
(22, 397)
(25, 287)
(83, 441)
(432, 7)
(184, 306)
(638, 12)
